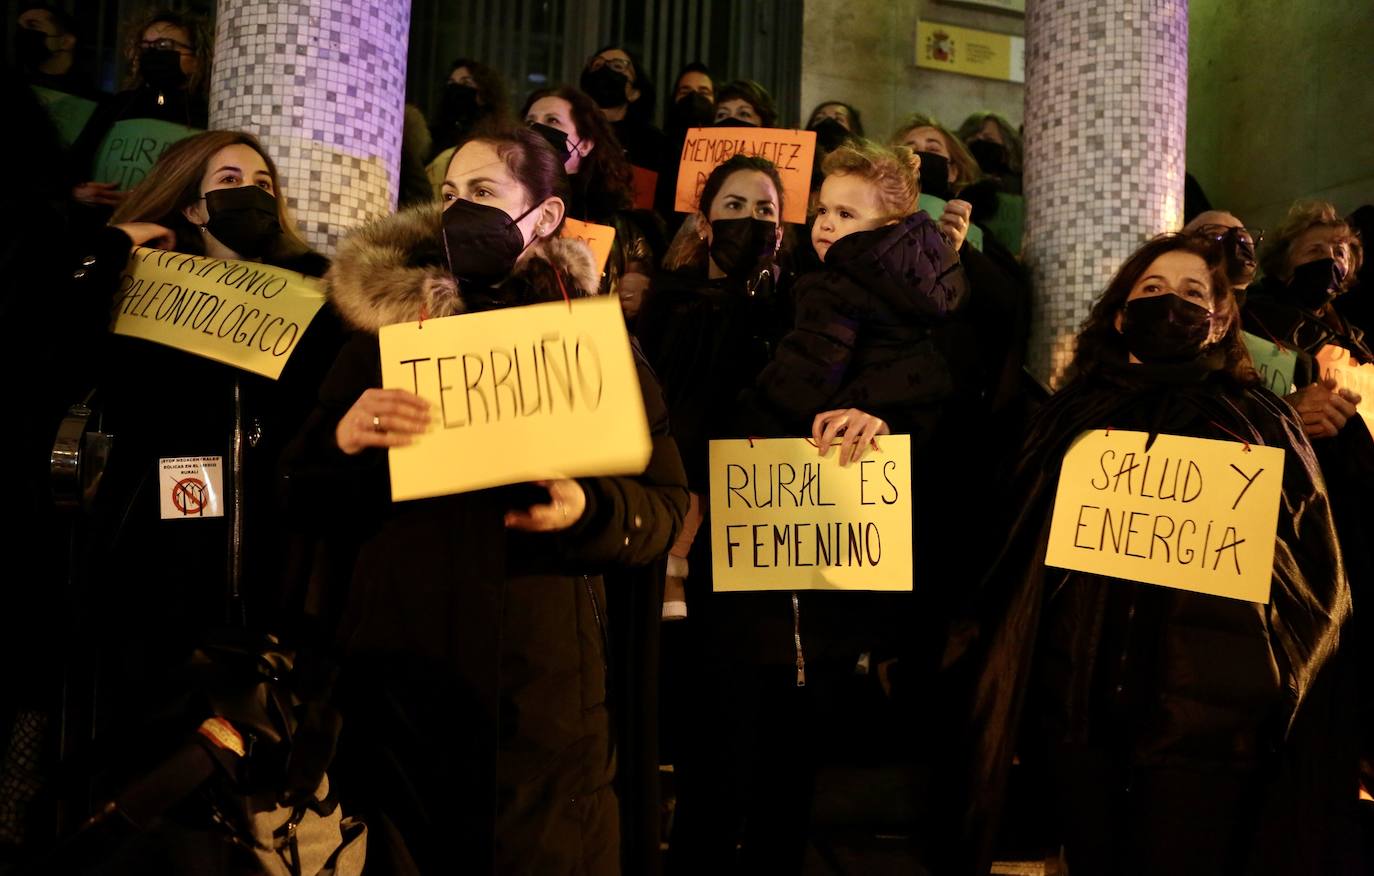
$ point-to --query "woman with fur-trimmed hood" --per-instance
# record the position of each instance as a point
(472, 628)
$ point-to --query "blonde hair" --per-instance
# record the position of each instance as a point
(1302, 217)
(894, 171)
(965, 165)
(174, 183)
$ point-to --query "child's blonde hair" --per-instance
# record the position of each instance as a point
(893, 170)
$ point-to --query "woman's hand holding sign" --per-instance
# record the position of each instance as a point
(857, 428)
(149, 234)
(382, 418)
(567, 502)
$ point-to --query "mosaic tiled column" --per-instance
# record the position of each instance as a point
(1106, 109)
(322, 83)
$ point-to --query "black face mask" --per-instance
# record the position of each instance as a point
(244, 219)
(1240, 258)
(1165, 329)
(460, 103)
(693, 110)
(482, 242)
(830, 134)
(1315, 284)
(31, 47)
(991, 157)
(161, 68)
(935, 175)
(557, 139)
(606, 86)
(738, 245)
(732, 122)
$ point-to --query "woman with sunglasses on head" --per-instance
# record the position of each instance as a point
(169, 81)
(473, 626)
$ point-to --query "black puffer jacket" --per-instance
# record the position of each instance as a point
(1190, 681)
(864, 334)
(474, 655)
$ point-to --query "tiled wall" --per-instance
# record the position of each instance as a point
(322, 83)
(1106, 107)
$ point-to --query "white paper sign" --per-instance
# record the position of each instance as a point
(191, 486)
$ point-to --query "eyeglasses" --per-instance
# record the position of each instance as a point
(619, 65)
(1252, 236)
(167, 44)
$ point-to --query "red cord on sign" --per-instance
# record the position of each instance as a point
(424, 313)
(1232, 434)
(1269, 334)
(562, 288)
(1109, 430)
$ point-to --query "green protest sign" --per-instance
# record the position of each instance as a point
(1275, 364)
(69, 112)
(132, 147)
(935, 207)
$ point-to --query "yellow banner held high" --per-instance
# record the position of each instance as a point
(244, 314)
(519, 394)
(1190, 513)
(783, 517)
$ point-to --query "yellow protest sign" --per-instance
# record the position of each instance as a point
(970, 52)
(1335, 362)
(598, 238)
(785, 518)
(1191, 513)
(792, 152)
(244, 314)
(519, 394)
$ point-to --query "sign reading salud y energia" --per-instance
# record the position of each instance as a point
(1191, 513)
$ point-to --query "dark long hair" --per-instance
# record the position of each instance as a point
(605, 170)
(1099, 340)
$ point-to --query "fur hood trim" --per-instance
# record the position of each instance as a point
(394, 270)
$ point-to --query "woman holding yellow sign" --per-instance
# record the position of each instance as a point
(1186, 731)
(474, 624)
(184, 533)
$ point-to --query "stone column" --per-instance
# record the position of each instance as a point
(1106, 112)
(322, 83)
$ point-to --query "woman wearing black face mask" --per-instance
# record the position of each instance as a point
(475, 700)
(474, 94)
(1183, 733)
(601, 183)
(618, 82)
(716, 314)
(693, 105)
(996, 146)
(168, 87)
(218, 195)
